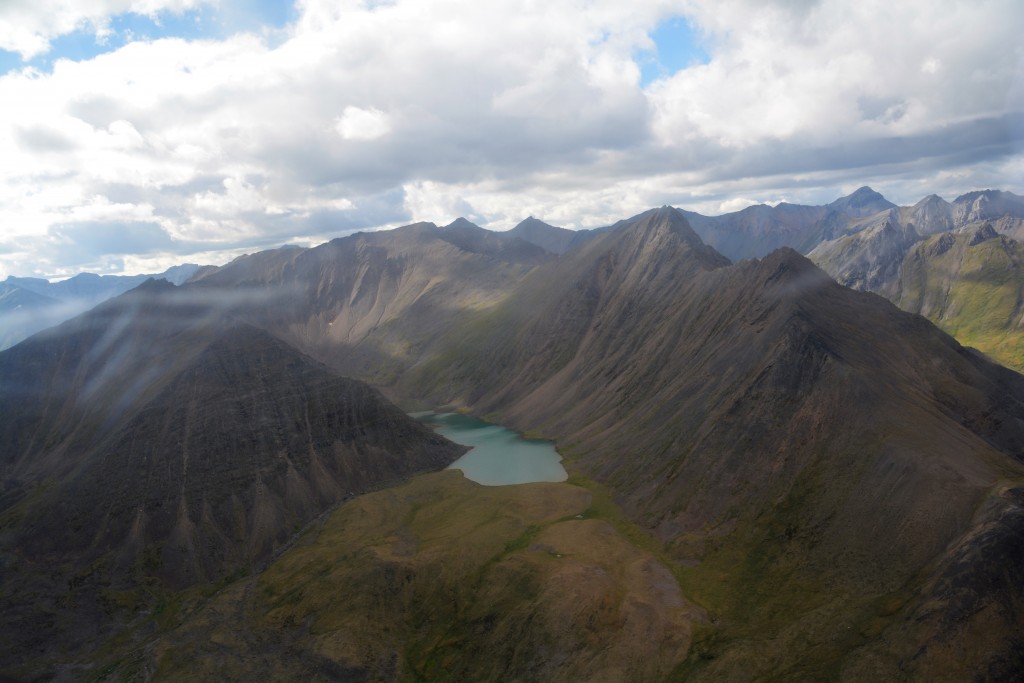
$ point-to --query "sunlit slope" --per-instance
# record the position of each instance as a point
(970, 284)
(967, 282)
(372, 303)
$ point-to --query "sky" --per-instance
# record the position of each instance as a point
(139, 134)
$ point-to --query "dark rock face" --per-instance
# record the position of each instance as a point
(250, 441)
(146, 441)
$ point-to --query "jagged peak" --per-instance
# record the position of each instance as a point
(982, 233)
(667, 226)
(974, 195)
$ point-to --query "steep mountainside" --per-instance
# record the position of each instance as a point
(869, 259)
(929, 216)
(991, 205)
(555, 240)
(758, 230)
(23, 313)
(149, 447)
(870, 244)
(813, 447)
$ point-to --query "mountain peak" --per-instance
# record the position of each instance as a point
(155, 285)
(863, 201)
(531, 222)
(461, 223)
(931, 199)
(665, 228)
(548, 237)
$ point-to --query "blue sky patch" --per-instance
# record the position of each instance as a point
(204, 22)
(677, 46)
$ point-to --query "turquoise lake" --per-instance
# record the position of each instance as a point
(499, 456)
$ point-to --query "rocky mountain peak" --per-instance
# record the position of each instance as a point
(864, 201)
(982, 234)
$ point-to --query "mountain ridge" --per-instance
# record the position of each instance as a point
(824, 474)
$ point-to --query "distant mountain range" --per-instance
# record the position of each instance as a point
(28, 304)
(818, 485)
(955, 263)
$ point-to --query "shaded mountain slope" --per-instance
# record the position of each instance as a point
(757, 230)
(24, 312)
(151, 445)
(550, 238)
(814, 445)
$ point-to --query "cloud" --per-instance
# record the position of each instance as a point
(363, 114)
(362, 124)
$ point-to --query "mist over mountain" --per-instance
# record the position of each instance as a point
(28, 305)
(152, 445)
(823, 486)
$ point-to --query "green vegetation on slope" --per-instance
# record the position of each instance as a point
(443, 579)
(972, 289)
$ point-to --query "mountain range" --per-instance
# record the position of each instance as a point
(28, 304)
(955, 263)
(773, 476)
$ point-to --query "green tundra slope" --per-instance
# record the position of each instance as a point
(971, 284)
(968, 282)
(443, 579)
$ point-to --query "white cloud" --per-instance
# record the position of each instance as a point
(362, 124)
(363, 114)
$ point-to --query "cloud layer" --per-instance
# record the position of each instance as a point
(364, 114)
